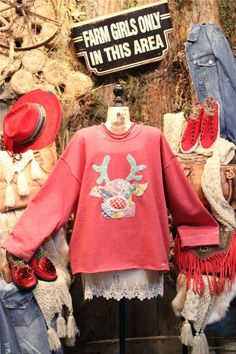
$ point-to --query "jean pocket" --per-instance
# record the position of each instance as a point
(21, 307)
(207, 60)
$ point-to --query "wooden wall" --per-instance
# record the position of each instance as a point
(166, 91)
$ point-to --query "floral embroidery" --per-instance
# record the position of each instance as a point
(117, 193)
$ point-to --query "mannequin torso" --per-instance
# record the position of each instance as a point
(127, 283)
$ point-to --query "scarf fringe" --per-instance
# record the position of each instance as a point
(36, 170)
(22, 184)
(204, 343)
(53, 339)
(9, 196)
(61, 327)
(68, 331)
(200, 345)
(218, 267)
(186, 336)
(72, 329)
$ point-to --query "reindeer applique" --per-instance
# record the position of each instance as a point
(117, 194)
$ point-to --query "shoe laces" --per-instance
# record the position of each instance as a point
(202, 129)
(212, 129)
(209, 106)
(196, 110)
(193, 119)
(191, 127)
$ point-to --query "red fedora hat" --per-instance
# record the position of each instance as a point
(32, 122)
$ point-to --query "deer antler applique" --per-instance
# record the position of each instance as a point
(103, 170)
(134, 169)
(117, 193)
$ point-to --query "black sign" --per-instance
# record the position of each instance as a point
(123, 40)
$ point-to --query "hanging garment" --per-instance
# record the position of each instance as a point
(120, 188)
(8, 339)
(21, 312)
(213, 69)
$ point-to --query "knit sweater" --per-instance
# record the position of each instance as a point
(119, 187)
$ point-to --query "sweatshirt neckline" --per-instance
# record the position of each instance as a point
(129, 134)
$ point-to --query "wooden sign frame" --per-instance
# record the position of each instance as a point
(124, 39)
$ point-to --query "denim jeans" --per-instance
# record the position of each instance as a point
(8, 340)
(22, 327)
(213, 69)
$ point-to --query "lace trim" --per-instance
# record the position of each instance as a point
(142, 292)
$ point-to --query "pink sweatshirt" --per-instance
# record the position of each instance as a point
(119, 187)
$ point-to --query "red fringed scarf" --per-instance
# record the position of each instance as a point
(218, 263)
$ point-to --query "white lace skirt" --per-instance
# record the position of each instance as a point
(139, 283)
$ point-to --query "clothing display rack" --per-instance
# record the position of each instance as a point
(118, 93)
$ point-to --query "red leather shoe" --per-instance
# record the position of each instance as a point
(22, 273)
(43, 267)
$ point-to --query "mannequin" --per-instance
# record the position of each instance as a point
(131, 283)
(118, 116)
(148, 283)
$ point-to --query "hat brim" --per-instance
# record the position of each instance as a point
(52, 107)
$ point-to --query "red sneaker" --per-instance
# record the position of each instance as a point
(210, 128)
(43, 267)
(190, 137)
(22, 273)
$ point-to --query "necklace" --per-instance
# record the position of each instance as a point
(15, 157)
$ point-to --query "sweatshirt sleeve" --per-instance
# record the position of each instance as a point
(49, 209)
(195, 225)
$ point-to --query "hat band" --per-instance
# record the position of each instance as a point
(38, 128)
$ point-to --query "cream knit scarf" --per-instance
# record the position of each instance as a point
(54, 297)
(211, 183)
(197, 309)
(174, 124)
(9, 168)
